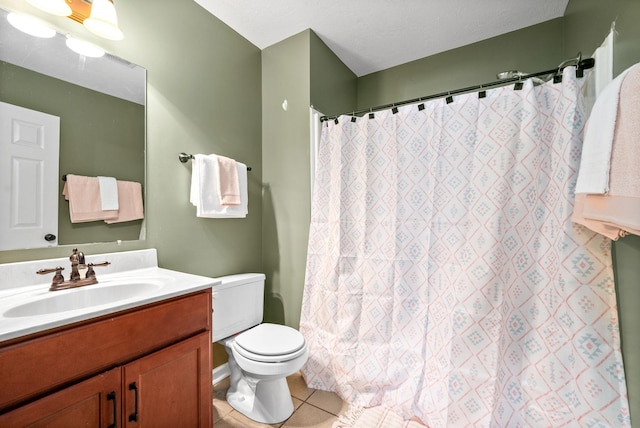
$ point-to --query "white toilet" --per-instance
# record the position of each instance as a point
(261, 356)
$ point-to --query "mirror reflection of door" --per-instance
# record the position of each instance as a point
(29, 143)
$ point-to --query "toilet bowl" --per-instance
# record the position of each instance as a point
(261, 356)
(259, 365)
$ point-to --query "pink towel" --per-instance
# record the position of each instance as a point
(129, 201)
(607, 229)
(83, 194)
(228, 183)
(616, 213)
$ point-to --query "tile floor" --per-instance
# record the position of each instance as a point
(313, 408)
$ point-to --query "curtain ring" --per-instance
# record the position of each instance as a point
(449, 98)
(482, 93)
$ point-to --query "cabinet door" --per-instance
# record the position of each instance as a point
(94, 402)
(170, 388)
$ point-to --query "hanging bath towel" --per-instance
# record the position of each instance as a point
(205, 192)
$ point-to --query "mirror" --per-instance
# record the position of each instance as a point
(101, 106)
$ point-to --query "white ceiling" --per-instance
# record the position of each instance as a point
(372, 35)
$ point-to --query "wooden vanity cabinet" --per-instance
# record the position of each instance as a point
(90, 403)
(163, 382)
(168, 387)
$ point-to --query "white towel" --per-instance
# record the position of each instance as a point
(194, 194)
(204, 192)
(108, 193)
(595, 164)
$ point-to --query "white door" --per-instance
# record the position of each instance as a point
(29, 143)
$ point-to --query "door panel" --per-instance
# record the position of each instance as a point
(29, 147)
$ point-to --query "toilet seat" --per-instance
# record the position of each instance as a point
(270, 343)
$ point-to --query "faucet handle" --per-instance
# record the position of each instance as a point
(57, 278)
(91, 273)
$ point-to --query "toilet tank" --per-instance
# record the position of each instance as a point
(237, 304)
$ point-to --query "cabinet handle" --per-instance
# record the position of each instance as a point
(112, 396)
(133, 417)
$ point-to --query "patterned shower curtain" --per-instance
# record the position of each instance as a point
(445, 279)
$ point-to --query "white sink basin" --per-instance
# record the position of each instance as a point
(81, 298)
(133, 279)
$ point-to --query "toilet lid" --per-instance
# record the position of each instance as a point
(268, 342)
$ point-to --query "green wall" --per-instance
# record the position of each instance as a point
(88, 145)
(203, 96)
(303, 71)
(333, 85)
(531, 49)
(285, 148)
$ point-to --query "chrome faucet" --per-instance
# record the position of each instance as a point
(78, 266)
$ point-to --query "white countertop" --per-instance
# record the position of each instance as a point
(120, 290)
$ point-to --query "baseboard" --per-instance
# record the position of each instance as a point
(220, 373)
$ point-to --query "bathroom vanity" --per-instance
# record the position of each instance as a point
(141, 360)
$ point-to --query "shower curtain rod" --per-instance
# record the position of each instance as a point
(581, 65)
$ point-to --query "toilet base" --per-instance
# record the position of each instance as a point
(258, 389)
(265, 400)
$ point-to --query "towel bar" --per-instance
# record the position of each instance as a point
(184, 157)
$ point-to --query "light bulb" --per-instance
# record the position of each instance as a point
(82, 47)
(103, 20)
(30, 25)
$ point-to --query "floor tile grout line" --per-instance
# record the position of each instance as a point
(319, 408)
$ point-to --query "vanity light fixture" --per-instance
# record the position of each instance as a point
(103, 20)
(82, 47)
(30, 25)
(54, 7)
